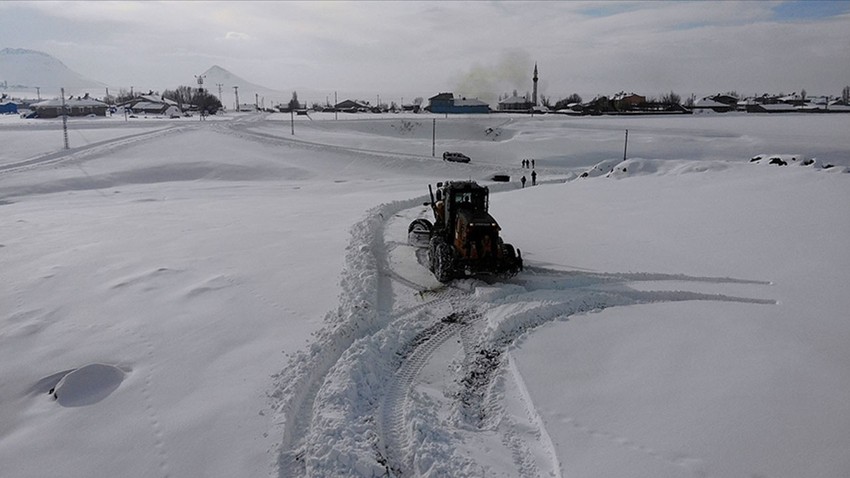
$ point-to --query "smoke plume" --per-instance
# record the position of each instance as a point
(512, 71)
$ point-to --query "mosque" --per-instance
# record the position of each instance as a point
(521, 103)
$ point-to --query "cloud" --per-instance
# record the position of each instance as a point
(421, 48)
(237, 37)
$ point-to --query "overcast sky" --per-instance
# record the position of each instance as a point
(471, 48)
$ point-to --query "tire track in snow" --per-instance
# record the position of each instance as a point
(88, 151)
(358, 315)
(396, 432)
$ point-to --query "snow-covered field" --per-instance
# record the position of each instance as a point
(182, 298)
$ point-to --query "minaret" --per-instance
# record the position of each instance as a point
(534, 95)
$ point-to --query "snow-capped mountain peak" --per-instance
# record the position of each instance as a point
(21, 67)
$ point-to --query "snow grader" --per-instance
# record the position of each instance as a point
(464, 238)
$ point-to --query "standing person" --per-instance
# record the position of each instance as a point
(532, 164)
(534, 178)
(522, 180)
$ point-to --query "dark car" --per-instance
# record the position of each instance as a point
(455, 157)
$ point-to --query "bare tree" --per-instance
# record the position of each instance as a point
(206, 102)
(573, 98)
(183, 95)
(123, 96)
(671, 99)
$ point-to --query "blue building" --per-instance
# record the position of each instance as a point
(446, 103)
(8, 108)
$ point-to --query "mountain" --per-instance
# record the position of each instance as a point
(248, 92)
(21, 68)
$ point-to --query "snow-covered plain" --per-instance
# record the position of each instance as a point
(183, 298)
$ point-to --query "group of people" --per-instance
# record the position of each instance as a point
(529, 163)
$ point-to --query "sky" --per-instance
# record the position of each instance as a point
(476, 49)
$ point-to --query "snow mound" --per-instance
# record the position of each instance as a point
(617, 168)
(794, 160)
(87, 385)
(783, 160)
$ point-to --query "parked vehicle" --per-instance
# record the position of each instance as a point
(455, 157)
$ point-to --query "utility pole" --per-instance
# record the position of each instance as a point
(434, 138)
(336, 113)
(257, 101)
(236, 92)
(292, 120)
(65, 120)
(38, 92)
(626, 146)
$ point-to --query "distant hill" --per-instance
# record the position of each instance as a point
(217, 75)
(27, 69)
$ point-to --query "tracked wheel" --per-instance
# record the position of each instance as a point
(441, 260)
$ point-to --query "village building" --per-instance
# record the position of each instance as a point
(352, 106)
(718, 104)
(413, 108)
(8, 107)
(516, 103)
(623, 101)
(771, 108)
(73, 107)
(448, 104)
(726, 100)
(152, 105)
